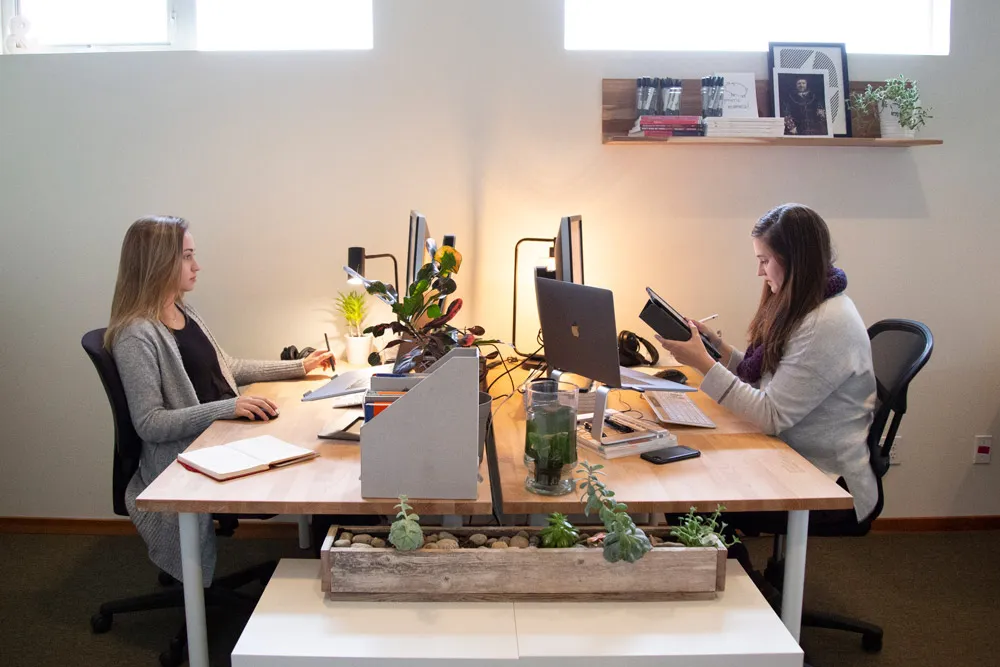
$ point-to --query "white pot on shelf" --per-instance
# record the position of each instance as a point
(358, 348)
(888, 119)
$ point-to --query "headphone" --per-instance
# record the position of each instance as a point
(629, 353)
(291, 353)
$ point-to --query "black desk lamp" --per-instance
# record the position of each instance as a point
(541, 271)
(356, 260)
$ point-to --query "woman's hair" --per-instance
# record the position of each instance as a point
(148, 271)
(800, 241)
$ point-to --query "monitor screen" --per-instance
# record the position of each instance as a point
(569, 250)
(416, 249)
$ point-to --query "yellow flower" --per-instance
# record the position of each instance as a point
(456, 258)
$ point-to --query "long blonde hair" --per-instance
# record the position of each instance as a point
(148, 271)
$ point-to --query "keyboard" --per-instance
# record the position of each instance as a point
(672, 407)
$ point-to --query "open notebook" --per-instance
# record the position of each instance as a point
(244, 457)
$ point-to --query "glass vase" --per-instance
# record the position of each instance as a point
(550, 437)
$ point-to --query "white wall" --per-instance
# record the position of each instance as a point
(474, 113)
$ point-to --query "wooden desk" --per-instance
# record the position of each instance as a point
(739, 468)
(330, 484)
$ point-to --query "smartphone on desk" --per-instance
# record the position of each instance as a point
(670, 454)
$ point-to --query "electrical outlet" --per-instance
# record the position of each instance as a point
(894, 453)
(982, 448)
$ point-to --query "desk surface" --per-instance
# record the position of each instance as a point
(330, 484)
(293, 624)
(739, 467)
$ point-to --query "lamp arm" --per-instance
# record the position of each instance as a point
(395, 268)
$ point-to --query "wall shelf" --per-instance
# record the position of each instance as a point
(863, 142)
(618, 117)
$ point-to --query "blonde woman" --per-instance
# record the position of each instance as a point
(176, 377)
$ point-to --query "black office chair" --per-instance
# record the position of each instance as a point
(900, 348)
(125, 463)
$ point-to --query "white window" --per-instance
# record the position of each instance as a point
(865, 26)
(48, 26)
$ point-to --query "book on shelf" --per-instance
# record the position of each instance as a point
(244, 457)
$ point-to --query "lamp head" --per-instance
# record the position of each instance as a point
(356, 261)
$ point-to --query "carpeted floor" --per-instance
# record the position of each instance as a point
(935, 594)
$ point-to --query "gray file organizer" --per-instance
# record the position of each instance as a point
(424, 444)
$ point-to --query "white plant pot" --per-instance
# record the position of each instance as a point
(888, 119)
(358, 348)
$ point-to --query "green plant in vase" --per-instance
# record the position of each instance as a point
(898, 99)
(550, 437)
(354, 309)
(624, 540)
(420, 320)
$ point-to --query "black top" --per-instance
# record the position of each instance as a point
(201, 363)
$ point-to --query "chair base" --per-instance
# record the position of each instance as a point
(221, 592)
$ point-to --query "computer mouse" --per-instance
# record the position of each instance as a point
(253, 417)
(673, 375)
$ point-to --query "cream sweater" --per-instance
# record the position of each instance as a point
(820, 399)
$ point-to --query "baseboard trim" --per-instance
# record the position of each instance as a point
(935, 524)
(251, 529)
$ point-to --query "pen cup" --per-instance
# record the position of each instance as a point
(550, 437)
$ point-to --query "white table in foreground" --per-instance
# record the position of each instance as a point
(295, 626)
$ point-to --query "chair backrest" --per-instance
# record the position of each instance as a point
(128, 445)
(900, 348)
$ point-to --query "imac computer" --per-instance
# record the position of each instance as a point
(416, 249)
(569, 250)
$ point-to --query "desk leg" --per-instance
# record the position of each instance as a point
(795, 571)
(304, 531)
(194, 592)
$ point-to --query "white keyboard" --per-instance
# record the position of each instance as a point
(673, 407)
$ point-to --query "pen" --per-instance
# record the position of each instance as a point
(709, 318)
(327, 338)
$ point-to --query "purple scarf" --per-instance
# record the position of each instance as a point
(752, 366)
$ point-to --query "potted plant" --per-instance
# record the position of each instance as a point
(897, 105)
(420, 322)
(353, 308)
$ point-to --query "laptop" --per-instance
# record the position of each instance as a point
(578, 327)
(348, 382)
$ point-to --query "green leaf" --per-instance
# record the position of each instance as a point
(434, 311)
(447, 263)
(406, 535)
(419, 287)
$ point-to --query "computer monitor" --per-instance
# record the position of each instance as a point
(416, 249)
(569, 250)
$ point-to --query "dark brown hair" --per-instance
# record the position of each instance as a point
(148, 271)
(800, 241)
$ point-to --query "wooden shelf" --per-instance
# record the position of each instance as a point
(862, 142)
(618, 116)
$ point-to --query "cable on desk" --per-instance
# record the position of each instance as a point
(511, 370)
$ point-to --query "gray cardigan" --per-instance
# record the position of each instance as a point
(168, 417)
(820, 399)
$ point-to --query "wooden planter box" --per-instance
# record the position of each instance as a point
(665, 573)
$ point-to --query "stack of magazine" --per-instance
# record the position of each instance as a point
(624, 436)
(744, 127)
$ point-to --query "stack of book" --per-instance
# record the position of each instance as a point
(668, 126)
(377, 401)
(744, 127)
(624, 436)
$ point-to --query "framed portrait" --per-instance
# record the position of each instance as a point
(800, 97)
(829, 58)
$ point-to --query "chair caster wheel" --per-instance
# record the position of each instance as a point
(871, 642)
(100, 623)
(165, 579)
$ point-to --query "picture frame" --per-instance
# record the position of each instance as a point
(828, 57)
(800, 96)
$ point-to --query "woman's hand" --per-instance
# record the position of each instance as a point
(690, 352)
(255, 407)
(713, 336)
(318, 359)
